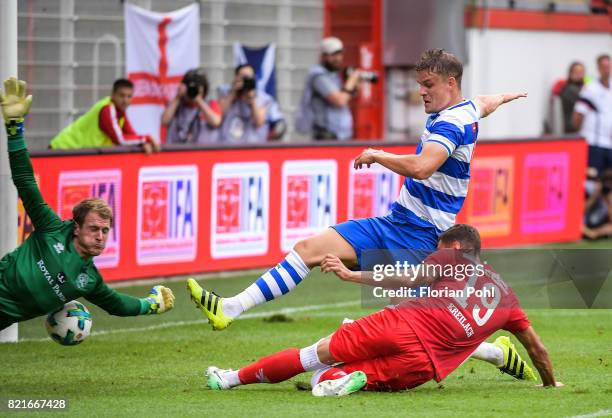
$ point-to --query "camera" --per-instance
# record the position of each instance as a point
(248, 84)
(193, 80)
(193, 88)
(367, 76)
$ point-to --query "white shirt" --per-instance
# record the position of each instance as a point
(595, 105)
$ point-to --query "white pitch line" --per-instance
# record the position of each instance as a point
(204, 321)
(602, 413)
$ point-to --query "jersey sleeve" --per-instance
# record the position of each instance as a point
(214, 105)
(109, 124)
(116, 303)
(517, 319)
(447, 133)
(585, 103)
(477, 109)
(42, 216)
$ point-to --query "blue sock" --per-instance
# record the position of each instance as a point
(272, 284)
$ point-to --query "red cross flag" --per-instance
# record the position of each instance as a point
(159, 48)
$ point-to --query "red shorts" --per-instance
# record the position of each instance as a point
(384, 347)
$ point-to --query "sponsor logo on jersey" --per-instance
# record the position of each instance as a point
(82, 280)
(74, 186)
(54, 286)
(240, 207)
(61, 277)
(308, 200)
(58, 247)
(167, 214)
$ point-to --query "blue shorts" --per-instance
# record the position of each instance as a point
(389, 232)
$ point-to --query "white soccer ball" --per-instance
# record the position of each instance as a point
(69, 325)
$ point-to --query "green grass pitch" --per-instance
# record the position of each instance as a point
(153, 366)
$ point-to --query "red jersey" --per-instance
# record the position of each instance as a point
(114, 123)
(462, 311)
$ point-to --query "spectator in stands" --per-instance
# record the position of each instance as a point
(105, 124)
(568, 91)
(245, 108)
(593, 117)
(598, 208)
(189, 117)
(275, 120)
(324, 109)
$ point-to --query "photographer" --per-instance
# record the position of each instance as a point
(190, 118)
(324, 109)
(244, 108)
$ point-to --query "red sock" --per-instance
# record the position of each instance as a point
(331, 374)
(273, 368)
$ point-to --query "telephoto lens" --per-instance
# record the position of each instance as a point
(369, 76)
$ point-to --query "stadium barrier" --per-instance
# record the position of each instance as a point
(211, 209)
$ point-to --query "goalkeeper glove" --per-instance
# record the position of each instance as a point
(15, 104)
(161, 299)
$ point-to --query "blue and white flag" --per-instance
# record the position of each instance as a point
(263, 61)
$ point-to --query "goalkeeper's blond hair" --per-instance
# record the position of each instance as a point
(93, 204)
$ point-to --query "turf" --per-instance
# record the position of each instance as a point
(153, 366)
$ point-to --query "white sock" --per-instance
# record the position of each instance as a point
(490, 353)
(310, 358)
(272, 284)
(317, 375)
(231, 376)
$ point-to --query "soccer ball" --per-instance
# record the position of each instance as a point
(69, 325)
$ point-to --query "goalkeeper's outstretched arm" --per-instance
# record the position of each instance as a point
(15, 106)
(159, 300)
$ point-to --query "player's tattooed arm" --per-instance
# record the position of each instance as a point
(489, 103)
(539, 356)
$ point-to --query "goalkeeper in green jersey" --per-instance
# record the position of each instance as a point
(55, 264)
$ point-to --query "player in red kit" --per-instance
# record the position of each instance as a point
(416, 341)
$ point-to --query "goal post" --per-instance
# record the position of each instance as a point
(8, 193)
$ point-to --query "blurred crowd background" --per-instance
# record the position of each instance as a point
(72, 51)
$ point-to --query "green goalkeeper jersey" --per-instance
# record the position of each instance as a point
(46, 271)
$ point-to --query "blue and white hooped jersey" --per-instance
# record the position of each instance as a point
(438, 199)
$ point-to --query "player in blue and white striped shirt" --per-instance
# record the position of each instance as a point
(436, 183)
(435, 199)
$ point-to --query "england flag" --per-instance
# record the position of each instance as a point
(159, 48)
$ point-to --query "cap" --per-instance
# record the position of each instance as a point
(331, 45)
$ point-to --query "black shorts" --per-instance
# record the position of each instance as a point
(600, 158)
